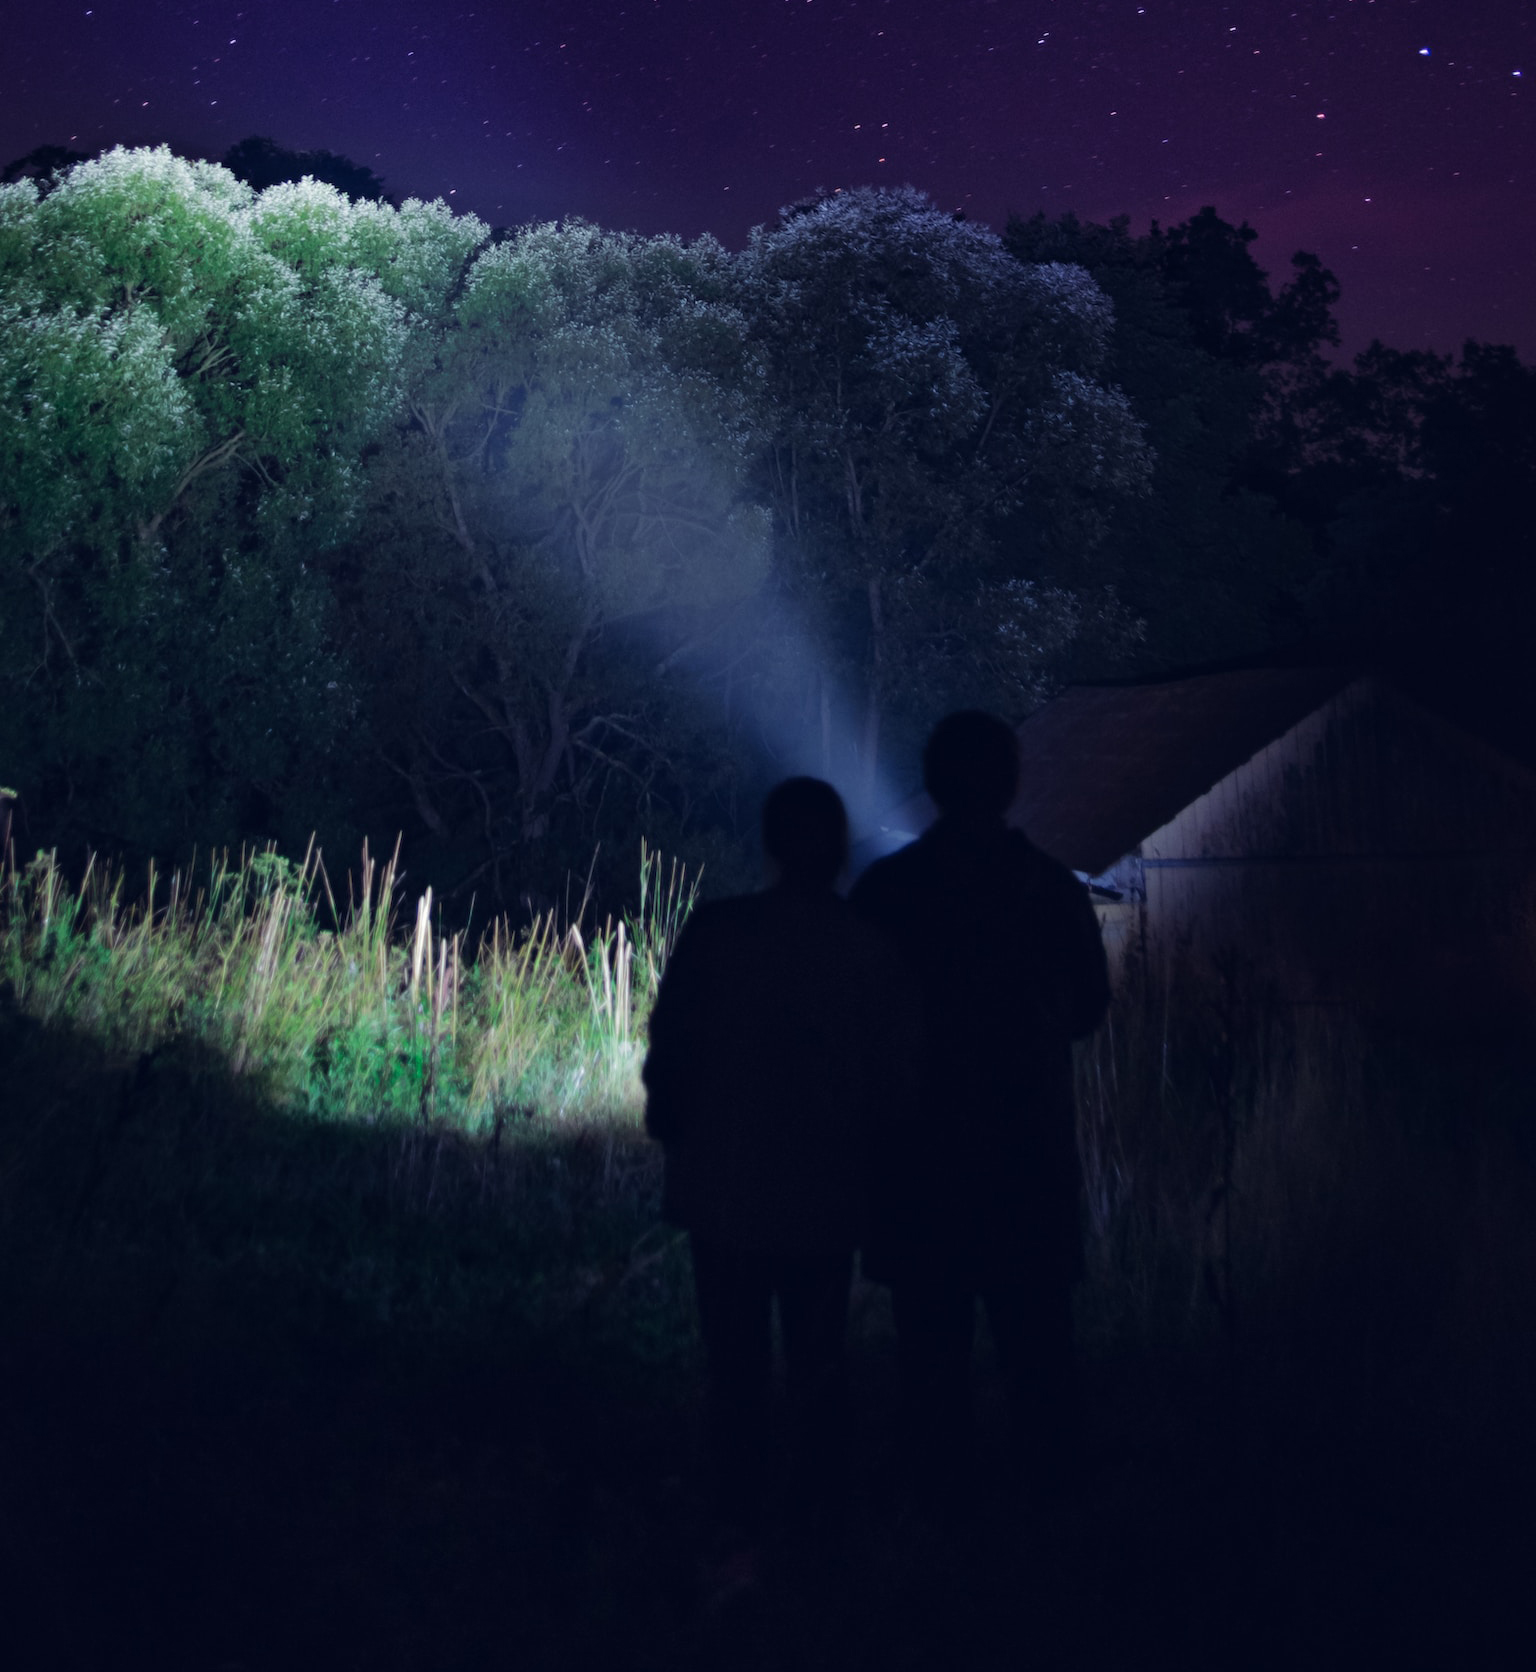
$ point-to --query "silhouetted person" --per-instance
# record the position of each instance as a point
(980, 1200)
(784, 1034)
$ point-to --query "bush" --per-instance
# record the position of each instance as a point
(354, 1021)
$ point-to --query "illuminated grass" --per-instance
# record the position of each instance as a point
(318, 1097)
(382, 1016)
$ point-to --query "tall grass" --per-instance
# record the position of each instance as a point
(364, 1010)
(1309, 1185)
(1298, 1182)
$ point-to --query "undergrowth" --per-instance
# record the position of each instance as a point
(351, 1011)
(331, 1258)
(340, 1102)
(1339, 1206)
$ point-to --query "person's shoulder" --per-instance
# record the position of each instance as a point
(1049, 880)
(891, 872)
(1025, 853)
(824, 917)
(730, 908)
(773, 913)
(713, 921)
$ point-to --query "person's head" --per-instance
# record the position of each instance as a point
(805, 832)
(971, 765)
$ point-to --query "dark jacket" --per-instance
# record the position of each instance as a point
(784, 1036)
(1007, 949)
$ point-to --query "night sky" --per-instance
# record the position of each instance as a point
(1393, 137)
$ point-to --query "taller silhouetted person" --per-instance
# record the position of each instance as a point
(981, 1200)
(784, 1037)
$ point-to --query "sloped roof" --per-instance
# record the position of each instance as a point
(1103, 766)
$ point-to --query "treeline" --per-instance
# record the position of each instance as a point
(326, 514)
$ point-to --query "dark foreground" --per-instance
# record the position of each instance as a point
(291, 1397)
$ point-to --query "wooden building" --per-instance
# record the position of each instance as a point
(1320, 835)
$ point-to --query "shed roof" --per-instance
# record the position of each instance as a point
(1103, 766)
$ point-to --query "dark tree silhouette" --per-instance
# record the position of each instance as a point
(262, 162)
(44, 165)
(1205, 560)
(1418, 475)
(1226, 297)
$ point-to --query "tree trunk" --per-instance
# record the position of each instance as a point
(874, 698)
(536, 784)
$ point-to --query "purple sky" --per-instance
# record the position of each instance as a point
(1393, 137)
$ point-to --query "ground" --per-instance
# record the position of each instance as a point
(244, 1424)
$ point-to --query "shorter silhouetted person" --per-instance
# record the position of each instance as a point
(981, 1200)
(784, 1035)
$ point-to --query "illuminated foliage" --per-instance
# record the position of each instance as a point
(568, 495)
(189, 375)
(925, 387)
(531, 539)
(281, 353)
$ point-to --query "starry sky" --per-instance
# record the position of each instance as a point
(1394, 138)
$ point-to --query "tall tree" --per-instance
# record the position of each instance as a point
(1207, 561)
(262, 162)
(926, 387)
(565, 501)
(1419, 470)
(44, 164)
(189, 375)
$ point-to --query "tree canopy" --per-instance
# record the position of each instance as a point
(189, 376)
(924, 388)
(322, 512)
(567, 488)
(261, 162)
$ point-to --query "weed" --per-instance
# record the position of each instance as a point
(1306, 1186)
(353, 1021)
